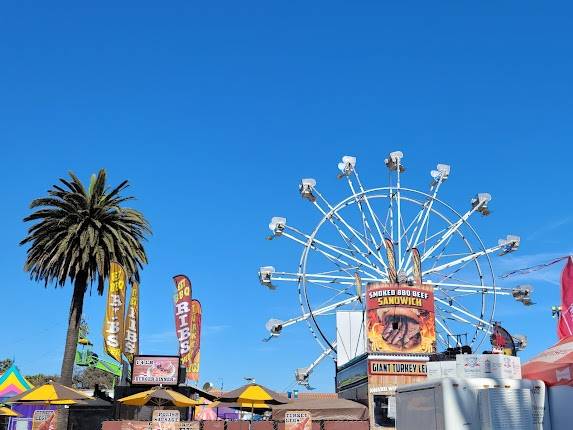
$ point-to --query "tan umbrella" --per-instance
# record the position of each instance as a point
(159, 396)
(51, 393)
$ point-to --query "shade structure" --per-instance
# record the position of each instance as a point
(324, 409)
(554, 366)
(159, 396)
(7, 412)
(254, 394)
(50, 393)
(13, 383)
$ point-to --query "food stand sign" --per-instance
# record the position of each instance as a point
(401, 318)
(165, 419)
(44, 420)
(410, 368)
(298, 420)
(155, 370)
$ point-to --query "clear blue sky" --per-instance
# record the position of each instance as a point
(215, 110)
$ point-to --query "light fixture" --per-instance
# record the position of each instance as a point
(480, 202)
(306, 187)
(265, 275)
(509, 244)
(347, 166)
(394, 160)
(277, 226)
(442, 173)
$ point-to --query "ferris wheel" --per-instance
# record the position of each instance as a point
(351, 245)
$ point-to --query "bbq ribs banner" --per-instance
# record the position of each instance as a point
(188, 326)
(400, 318)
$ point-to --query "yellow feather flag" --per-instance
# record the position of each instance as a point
(114, 312)
(131, 334)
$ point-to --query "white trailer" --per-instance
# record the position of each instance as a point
(473, 404)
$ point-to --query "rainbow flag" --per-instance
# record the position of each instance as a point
(13, 383)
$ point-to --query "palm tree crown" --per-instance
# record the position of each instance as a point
(80, 232)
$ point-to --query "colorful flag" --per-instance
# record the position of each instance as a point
(392, 273)
(183, 318)
(193, 369)
(114, 312)
(131, 335)
(416, 266)
(565, 326)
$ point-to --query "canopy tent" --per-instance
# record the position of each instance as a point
(554, 366)
(13, 383)
(323, 409)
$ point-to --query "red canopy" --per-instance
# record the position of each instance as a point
(554, 366)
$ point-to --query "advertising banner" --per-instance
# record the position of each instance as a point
(195, 341)
(183, 318)
(400, 318)
(501, 341)
(165, 419)
(298, 420)
(155, 370)
(565, 325)
(131, 336)
(44, 420)
(383, 367)
(114, 312)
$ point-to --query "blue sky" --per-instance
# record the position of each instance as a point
(215, 110)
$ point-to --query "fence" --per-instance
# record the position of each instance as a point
(233, 425)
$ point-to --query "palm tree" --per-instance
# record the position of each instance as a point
(76, 235)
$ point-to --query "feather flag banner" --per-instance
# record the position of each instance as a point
(131, 335)
(114, 312)
(565, 325)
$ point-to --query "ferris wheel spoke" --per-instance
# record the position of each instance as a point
(464, 259)
(466, 313)
(477, 326)
(367, 230)
(479, 205)
(318, 312)
(484, 289)
(373, 216)
(333, 214)
(424, 214)
(312, 244)
(444, 327)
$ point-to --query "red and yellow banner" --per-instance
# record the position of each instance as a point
(131, 334)
(183, 318)
(401, 318)
(193, 369)
(114, 312)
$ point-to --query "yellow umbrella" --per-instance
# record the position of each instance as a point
(159, 396)
(51, 393)
(6, 412)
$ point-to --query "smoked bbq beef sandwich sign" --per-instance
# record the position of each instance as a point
(401, 318)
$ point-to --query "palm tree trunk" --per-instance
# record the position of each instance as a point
(76, 308)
